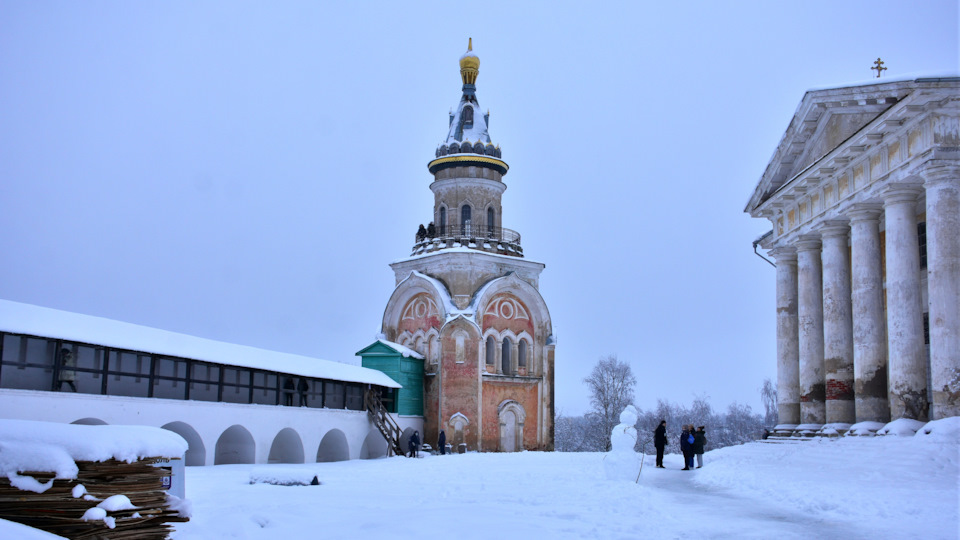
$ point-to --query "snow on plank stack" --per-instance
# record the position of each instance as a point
(81, 481)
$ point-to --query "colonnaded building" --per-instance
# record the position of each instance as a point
(863, 193)
(468, 301)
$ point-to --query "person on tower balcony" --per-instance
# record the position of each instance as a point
(421, 233)
(431, 231)
(660, 441)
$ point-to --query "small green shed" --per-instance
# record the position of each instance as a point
(403, 365)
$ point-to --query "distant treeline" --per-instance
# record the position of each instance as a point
(590, 432)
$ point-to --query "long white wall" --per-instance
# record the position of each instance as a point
(292, 434)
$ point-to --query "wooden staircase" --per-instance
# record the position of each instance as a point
(385, 423)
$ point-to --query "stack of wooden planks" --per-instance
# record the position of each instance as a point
(56, 510)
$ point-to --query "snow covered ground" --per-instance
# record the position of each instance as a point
(884, 487)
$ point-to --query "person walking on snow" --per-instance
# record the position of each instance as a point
(442, 443)
(699, 441)
(660, 441)
(686, 446)
(414, 443)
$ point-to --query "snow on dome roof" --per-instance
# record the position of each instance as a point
(33, 320)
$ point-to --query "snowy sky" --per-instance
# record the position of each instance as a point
(245, 171)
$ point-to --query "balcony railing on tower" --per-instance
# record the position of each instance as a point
(484, 238)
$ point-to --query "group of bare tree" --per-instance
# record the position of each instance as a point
(611, 385)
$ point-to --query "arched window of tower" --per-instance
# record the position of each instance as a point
(506, 361)
(522, 354)
(465, 220)
(491, 351)
(443, 221)
(467, 117)
(490, 220)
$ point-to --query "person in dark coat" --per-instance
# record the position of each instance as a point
(288, 388)
(302, 388)
(699, 441)
(660, 441)
(431, 231)
(686, 446)
(414, 443)
(421, 233)
(442, 442)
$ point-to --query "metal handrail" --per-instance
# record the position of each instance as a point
(473, 232)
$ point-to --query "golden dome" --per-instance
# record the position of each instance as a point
(469, 65)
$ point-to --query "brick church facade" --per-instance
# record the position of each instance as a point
(468, 301)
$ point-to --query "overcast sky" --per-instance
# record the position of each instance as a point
(246, 171)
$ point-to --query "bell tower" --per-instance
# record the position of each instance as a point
(468, 300)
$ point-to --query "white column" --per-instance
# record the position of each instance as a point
(837, 323)
(869, 324)
(908, 363)
(498, 355)
(810, 317)
(943, 287)
(788, 348)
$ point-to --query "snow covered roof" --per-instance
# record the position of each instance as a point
(33, 320)
(462, 131)
(404, 351)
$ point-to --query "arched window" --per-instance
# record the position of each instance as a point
(491, 351)
(490, 220)
(467, 117)
(443, 221)
(522, 354)
(505, 360)
(465, 220)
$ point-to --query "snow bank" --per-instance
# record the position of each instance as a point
(85, 443)
(284, 476)
(864, 429)
(901, 427)
(14, 530)
(947, 429)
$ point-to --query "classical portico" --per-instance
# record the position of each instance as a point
(863, 194)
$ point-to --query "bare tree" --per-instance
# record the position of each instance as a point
(611, 389)
(768, 395)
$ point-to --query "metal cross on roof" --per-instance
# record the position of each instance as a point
(878, 65)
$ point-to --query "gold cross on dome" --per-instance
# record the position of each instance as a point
(878, 65)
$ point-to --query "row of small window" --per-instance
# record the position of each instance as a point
(33, 363)
(506, 354)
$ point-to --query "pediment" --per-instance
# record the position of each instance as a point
(823, 121)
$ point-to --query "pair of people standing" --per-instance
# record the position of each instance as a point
(691, 444)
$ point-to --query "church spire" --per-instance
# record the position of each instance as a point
(469, 67)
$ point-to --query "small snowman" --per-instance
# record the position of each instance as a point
(623, 462)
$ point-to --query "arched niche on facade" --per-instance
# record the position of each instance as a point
(374, 446)
(287, 447)
(89, 422)
(333, 447)
(525, 292)
(415, 284)
(457, 426)
(234, 446)
(196, 451)
(511, 417)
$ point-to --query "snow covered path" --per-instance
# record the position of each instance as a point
(850, 489)
(729, 514)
